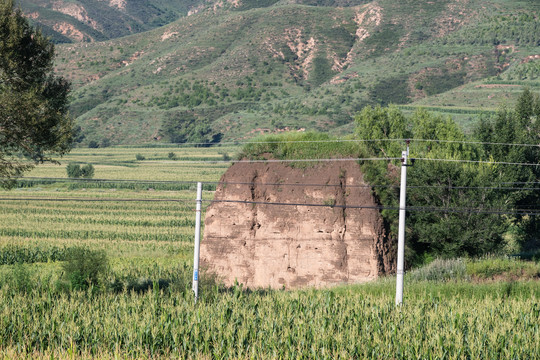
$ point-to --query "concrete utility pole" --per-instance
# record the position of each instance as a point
(401, 231)
(197, 242)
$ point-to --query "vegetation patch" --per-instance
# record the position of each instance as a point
(393, 90)
(303, 146)
(499, 268)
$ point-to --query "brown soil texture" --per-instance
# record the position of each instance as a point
(292, 246)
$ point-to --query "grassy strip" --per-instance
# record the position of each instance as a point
(490, 268)
(299, 146)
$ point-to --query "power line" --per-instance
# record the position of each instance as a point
(184, 201)
(234, 143)
(479, 162)
(383, 207)
(109, 180)
(371, 207)
(270, 160)
(474, 142)
(313, 160)
(345, 185)
(342, 159)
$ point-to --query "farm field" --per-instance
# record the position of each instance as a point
(144, 308)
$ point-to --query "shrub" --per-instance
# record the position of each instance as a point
(172, 155)
(503, 267)
(139, 157)
(85, 267)
(440, 270)
(224, 155)
(87, 171)
(73, 170)
(93, 144)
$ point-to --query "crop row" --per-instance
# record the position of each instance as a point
(79, 235)
(321, 324)
(146, 221)
(89, 208)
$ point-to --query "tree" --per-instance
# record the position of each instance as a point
(441, 192)
(87, 171)
(33, 101)
(76, 171)
(73, 170)
(520, 126)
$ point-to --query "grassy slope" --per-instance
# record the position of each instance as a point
(94, 20)
(262, 69)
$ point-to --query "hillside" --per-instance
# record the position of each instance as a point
(234, 70)
(68, 21)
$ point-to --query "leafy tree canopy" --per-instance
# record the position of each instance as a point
(33, 101)
(453, 200)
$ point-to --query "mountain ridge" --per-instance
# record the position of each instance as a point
(235, 69)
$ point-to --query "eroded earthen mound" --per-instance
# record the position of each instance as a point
(293, 246)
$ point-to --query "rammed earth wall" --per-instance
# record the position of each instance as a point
(277, 246)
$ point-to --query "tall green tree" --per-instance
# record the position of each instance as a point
(441, 192)
(34, 121)
(518, 126)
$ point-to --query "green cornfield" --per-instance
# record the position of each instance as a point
(144, 306)
(358, 322)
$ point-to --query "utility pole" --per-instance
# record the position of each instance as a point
(401, 231)
(197, 242)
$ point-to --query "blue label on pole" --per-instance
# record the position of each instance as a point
(196, 275)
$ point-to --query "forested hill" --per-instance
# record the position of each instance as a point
(233, 69)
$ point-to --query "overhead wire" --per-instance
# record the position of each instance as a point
(237, 143)
(383, 207)
(348, 206)
(183, 182)
(479, 162)
(264, 161)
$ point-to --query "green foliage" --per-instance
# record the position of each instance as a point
(440, 270)
(33, 101)
(214, 65)
(385, 37)
(253, 4)
(437, 83)
(186, 127)
(519, 126)
(310, 145)
(93, 144)
(20, 278)
(13, 254)
(382, 124)
(85, 267)
(140, 157)
(76, 171)
(394, 90)
(87, 171)
(512, 269)
(109, 21)
(443, 187)
(321, 72)
(73, 170)
(436, 320)
(520, 29)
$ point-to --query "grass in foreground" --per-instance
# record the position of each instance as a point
(439, 321)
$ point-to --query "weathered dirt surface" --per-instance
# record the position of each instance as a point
(293, 246)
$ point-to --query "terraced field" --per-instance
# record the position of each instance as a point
(144, 306)
(144, 213)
